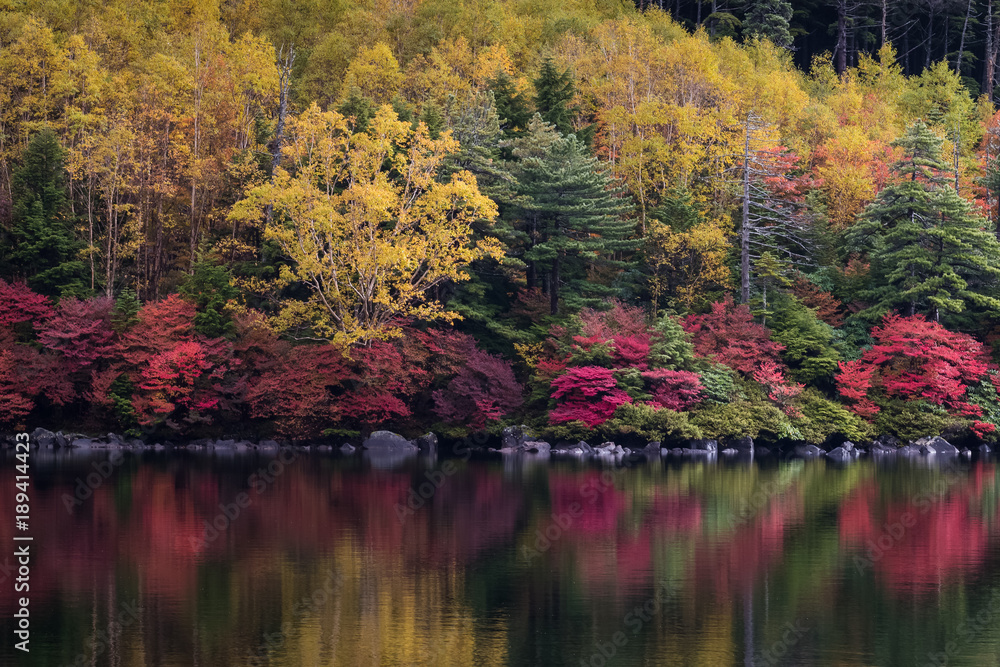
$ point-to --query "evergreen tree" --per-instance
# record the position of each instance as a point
(570, 213)
(553, 92)
(769, 19)
(511, 107)
(44, 247)
(930, 253)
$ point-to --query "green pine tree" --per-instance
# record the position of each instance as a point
(769, 19)
(571, 214)
(511, 107)
(44, 249)
(930, 252)
(553, 92)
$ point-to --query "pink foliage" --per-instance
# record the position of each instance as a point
(674, 390)
(772, 377)
(913, 359)
(483, 390)
(18, 303)
(80, 331)
(588, 394)
(623, 328)
(730, 336)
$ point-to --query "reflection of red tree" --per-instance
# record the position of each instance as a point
(153, 524)
(946, 539)
(728, 567)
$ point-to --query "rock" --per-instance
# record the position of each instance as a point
(966, 452)
(984, 449)
(848, 446)
(82, 443)
(808, 451)
(347, 448)
(744, 444)
(513, 436)
(707, 445)
(839, 454)
(268, 444)
(225, 444)
(587, 449)
(536, 447)
(387, 441)
(61, 439)
(887, 442)
(43, 438)
(762, 451)
(729, 451)
(935, 445)
(652, 450)
(618, 451)
(428, 442)
(676, 451)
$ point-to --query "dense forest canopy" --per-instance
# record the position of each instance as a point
(670, 221)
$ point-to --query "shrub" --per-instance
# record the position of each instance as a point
(822, 418)
(588, 394)
(650, 422)
(743, 418)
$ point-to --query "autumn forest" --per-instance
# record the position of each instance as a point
(658, 221)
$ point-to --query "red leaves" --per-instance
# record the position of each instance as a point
(914, 359)
(588, 394)
(674, 390)
(19, 304)
(731, 337)
(772, 377)
(81, 331)
(484, 390)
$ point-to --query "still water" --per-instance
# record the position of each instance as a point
(222, 559)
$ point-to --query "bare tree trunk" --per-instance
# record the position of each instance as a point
(930, 36)
(885, 14)
(279, 132)
(991, 56)
(554, 287)
(745, 227)
(841, 36)
(961, 42)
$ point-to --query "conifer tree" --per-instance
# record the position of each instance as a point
(570, 213)
(769, 19)
(44, 248)
(553, 92)
(930, 253)
(511, 107)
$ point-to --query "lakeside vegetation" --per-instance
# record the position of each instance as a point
(587, 218)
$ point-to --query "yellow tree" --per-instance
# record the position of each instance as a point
(369, 228)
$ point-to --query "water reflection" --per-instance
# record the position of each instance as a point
(197, 559)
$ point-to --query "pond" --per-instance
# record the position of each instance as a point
(302, 559)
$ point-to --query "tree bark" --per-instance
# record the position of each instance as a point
(554, 287)
(745, 227)
(841, 36)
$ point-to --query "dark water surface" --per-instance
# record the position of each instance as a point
(341, 562)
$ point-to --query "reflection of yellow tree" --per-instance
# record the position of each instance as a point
(369, 228)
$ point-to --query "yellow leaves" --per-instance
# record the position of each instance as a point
(370, 229)
(375, 72)
(686, 265)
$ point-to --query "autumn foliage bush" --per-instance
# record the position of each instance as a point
(913, 359)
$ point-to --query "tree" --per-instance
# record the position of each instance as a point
(768, 19)
(729, 335)
(570, 212)
(511, 106)
(368, 229)
(930, 252)
(553, 92)
(915, 360)
(484, 390)
(588, 394)
(45, 249)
